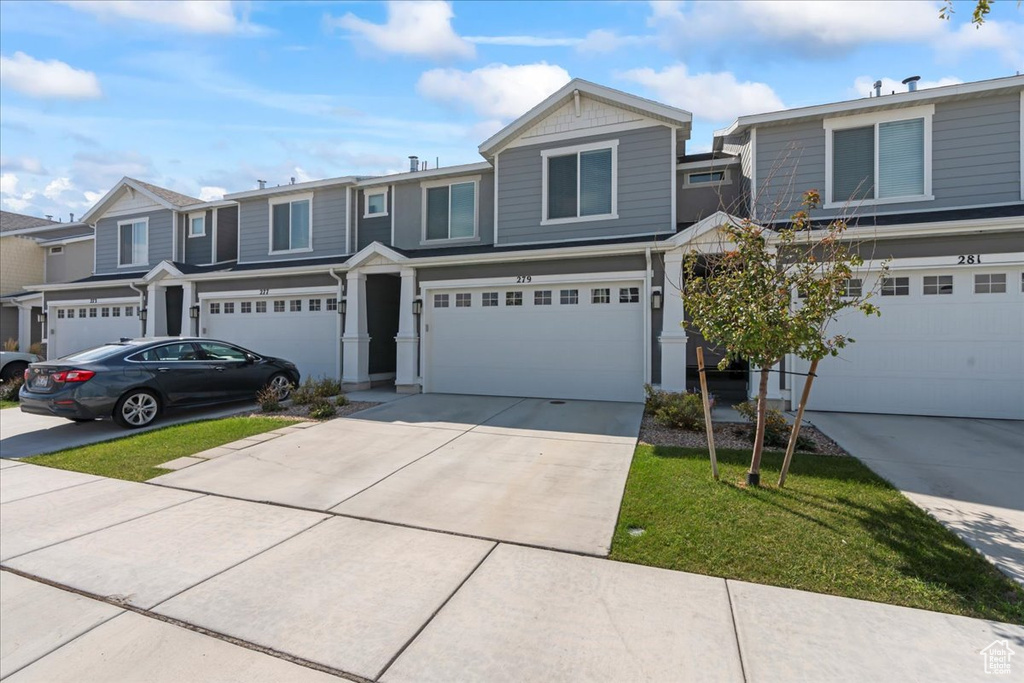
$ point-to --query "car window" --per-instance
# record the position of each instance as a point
(97, 353)
(169, 352)
(215, 351)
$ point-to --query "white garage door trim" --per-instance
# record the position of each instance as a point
(635, 358)
(98, 329)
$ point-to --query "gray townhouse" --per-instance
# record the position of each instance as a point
(552, 267)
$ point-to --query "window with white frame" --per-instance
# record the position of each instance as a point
(60, 312)
(214, 308)
(440, 301)
(116, 311)
(82, 313)
(489, 299)
(463, 300)
(129, 311)
(851, 287)
(229, 307)
(295, 306)
(133, 242)
(54, 251)
(879, 157)
(601, 295)
(92, 312)
(105, 312)
(245, 307)
(542, 297)
(376, 203)
(896, 286)
(279, 306)
(332, 303)
(938, 284)
(990, 283)
(706, 177)
(629, 295)
(314, 305)
(197, 225)
(261, 306)
(290, 224)
(513, 298)
(569, 297)
(449, 211)
(579, 182)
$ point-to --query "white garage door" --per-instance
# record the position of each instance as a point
(302, 328)
(948, 343)
(576, 341)
(85, 326)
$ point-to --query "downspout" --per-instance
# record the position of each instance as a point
(142, 300)
(340, 329)
(647, 318)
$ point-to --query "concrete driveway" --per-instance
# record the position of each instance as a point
(967, 473)
(22, 434)
(531, 471)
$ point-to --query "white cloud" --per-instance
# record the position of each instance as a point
(209, 193)
(603, 41)
(524, 41)
(418, 29)
(29, 165)
(711, 96)
(57, 187)
(92, 197)
(8, 183)
(9, 195)
(191, 16)
(52, 79)
(1006, 38)
(496, 90)
(863, 85)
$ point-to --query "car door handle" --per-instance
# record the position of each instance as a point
(163, 369)
(218, 368)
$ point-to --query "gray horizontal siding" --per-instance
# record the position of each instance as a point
(328, 227)
(644, 190)
(945, 245)
(227, 234)
(198, 250)
(373, 229)
(161, 240)
(696, 202)
(409, 215)
(976, 150)
(578, 266)
(98, 293)
(73, 264)
(272, 282)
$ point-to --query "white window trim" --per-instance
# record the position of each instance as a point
(448, 182)
(193, 216)
(132, 221)
(926, 112)
(56, 251)
(576, 149)
(726, 178)
(366, 202)
(287, 199)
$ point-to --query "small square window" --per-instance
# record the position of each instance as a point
(82, 313)
(129, 311)
(214, 308)
(990, 283)
(629, 295)
(569, 297)
(105, 312)
(295, 306)
(489, 299)
(896, 286)
(60, 312)
(938, 284)
(314, 305)
(853, 287)
(116, 311)
(376, 204)
(279, 306)
(261, 306)
(332, 303)
(229, 307)
(92, 312)
(513, 298)
(245, 307)
(542, 297)
(463, 300)
(601, 295)
(440, 301)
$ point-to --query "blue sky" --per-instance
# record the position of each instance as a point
(207, 97)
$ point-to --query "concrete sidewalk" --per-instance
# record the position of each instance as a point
(162, 585)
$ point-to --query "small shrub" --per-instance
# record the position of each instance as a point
(268, 400)
(303, 395)
(776, 429)
(11, 344)
(38, 349)
(655, 398)
(9, 390)
(325, 387)
(342, 400)
(322, 409)
(680, 411)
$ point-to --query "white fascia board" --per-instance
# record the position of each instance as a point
(58, 241)
(461, 169)
(100, 284)
(286, 189)
(711, 163)
(203, 206)
(96, 211)
(42, 228)
(67, 303)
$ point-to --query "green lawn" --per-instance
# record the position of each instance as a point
(835, 528)
(135, 456)
(8, 404)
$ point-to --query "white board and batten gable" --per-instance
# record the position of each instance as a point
(129, 201)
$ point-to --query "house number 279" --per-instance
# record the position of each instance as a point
(522, 279)
(968, 259)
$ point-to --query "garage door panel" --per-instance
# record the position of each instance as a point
(75, 332)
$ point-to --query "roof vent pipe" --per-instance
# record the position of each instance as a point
(878, 88)
(262, 184)
(72, 218)
(291, 181)
(414, 163)
(911, 83)
(49, 216)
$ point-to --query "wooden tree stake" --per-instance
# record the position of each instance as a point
(707, 412)
(796, 425)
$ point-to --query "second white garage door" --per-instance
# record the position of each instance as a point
(302, 328)
(76, 328)
(574, 341)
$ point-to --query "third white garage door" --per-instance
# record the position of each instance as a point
(573, 341)
(948, 343)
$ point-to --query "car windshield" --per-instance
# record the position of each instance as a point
(98, 353)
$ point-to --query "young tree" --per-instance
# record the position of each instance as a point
(740, 296)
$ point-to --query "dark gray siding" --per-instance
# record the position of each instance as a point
(92, 293)
(409, 214)
(328, 227)
(696, 202)
(9, 324)
(198, 250)
(227, 234)
(577, 266)
(271, 282)
(948, 245)
(975, 158)
(74, 264)
(161, 240)
(644, 190)
(373, 229)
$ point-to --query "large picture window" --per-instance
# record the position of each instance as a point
(450, 211)
(579, 182)
(290, 225)
(133, 243)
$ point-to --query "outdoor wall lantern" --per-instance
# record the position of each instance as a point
(656, 298)
(41, 318)
(143, 314)
(417, 306)
(342, 306)
(193, 312)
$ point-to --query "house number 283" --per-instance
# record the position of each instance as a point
(968, 259)
(522, 279)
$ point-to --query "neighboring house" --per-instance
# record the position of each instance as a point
(552, 268)
(35, 251)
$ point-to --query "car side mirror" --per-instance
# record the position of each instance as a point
(249, 359)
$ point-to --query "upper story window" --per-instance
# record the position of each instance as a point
(708, 178)
(197, 225)
(579, 183)
(54, 251)
(879, 158)
(133, 242)
(290, 224)
(449, 210)
(376, 203)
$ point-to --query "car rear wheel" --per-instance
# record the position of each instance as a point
(13, 370)
(136, 409)
(280, 385)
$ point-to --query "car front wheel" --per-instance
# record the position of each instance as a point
(136, 409)
(280, 385)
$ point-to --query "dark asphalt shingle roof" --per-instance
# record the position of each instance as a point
(19, 221)
(176, 198)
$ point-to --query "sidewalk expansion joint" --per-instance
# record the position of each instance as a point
(735, 630)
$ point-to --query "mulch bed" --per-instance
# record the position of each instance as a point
(302, 412)
(727, 435)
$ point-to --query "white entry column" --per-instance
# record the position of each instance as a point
(673, 335)
(356, 340)
(25, 323)
(187, 300)
(406, 379)
(156, 311)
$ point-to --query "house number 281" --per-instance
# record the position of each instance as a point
(522, 279)
(968, 259)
